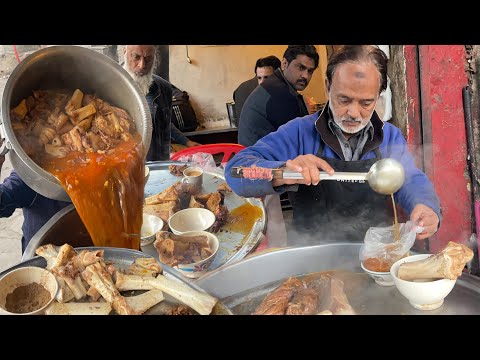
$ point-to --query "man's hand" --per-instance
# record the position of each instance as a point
(191, 143)
(424, 216)
(309, 166)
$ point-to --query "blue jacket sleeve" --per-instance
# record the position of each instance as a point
(14, 193)
(271, 151)
(417, 189)
(177, 135)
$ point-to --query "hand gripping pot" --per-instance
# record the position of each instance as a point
(72, 67)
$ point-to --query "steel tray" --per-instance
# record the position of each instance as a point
(233, 246)
(123, 258)
(243, 285)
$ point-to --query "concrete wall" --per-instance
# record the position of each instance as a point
(396, 73)
(215, 72)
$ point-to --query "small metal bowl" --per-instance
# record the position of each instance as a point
(26, 276)
(150, 226)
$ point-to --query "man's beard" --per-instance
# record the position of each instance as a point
(144, 81)
(361, 123)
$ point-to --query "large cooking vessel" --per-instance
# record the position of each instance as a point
(244, 284)
(67, 67)
(64, 227)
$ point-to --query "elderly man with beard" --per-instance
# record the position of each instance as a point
(347, 136)
(139, 62)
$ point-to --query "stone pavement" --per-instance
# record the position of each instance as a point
(10, 228)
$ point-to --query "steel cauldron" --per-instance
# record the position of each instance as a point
(64, 227)
(72, 67)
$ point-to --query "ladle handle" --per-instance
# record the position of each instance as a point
(264, 173)
(346, 176)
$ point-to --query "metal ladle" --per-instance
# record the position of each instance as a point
(386, 176)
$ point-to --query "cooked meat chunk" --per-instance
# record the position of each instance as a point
(163, 210)
(276, 302)
(74, 116)
(336, 299)
(224, 187)
(177, 170)
(180, 310)
(305, 302)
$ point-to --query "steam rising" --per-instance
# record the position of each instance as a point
(338, 227)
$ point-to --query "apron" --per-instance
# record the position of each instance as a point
(339, 210)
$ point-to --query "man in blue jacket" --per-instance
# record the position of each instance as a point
(347, 136)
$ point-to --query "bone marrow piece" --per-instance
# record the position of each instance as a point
(89, 285)
(447, 264)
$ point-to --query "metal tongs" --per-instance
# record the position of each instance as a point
(237, 172)
(158, 165)
(386, 176)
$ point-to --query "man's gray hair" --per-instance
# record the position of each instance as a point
(359, 53)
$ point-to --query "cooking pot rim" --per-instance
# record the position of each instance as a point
(6, 130)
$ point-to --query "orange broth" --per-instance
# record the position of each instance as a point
(107, 191)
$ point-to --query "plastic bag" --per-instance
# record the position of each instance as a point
(203, 160)
(380, 250)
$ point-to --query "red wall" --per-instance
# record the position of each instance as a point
(442, 77)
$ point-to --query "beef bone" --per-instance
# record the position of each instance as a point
(447, 264)
(201, 302)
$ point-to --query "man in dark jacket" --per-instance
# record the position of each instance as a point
(276, 100)
(264, 68)
(37, 209)
(139, 61)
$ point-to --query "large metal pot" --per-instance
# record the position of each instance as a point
(244, 284)
(63, 227)
(67, 67)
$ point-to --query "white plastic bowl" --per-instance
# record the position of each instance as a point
(381, 278)
(422, 295)
(150, 226)
(199, 268)
(25, 276)
(192, 219)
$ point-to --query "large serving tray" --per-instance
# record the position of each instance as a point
(66, 225)
(243, 285)
(123, 258)
(233, 246)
